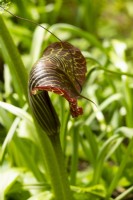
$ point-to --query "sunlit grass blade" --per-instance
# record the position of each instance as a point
(120, 169)
(9, 177)
(16, 111)
(8, 138)
(125, 132)
(13, 59)
(124, 194)
(37, 41)
(101, 158)
(109, 100)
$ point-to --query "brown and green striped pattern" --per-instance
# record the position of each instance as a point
(62, 70)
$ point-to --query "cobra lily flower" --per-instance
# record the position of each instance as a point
(61, 70)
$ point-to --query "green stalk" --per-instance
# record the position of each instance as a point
(113, 72)
(64, 187)
(75, 142)
(128, 102)
(65, 115)
(92, 142)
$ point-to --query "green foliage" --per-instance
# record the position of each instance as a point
(98, 145)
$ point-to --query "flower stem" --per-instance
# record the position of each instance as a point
(55, 140)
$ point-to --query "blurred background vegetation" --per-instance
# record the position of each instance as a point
(98, 145)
